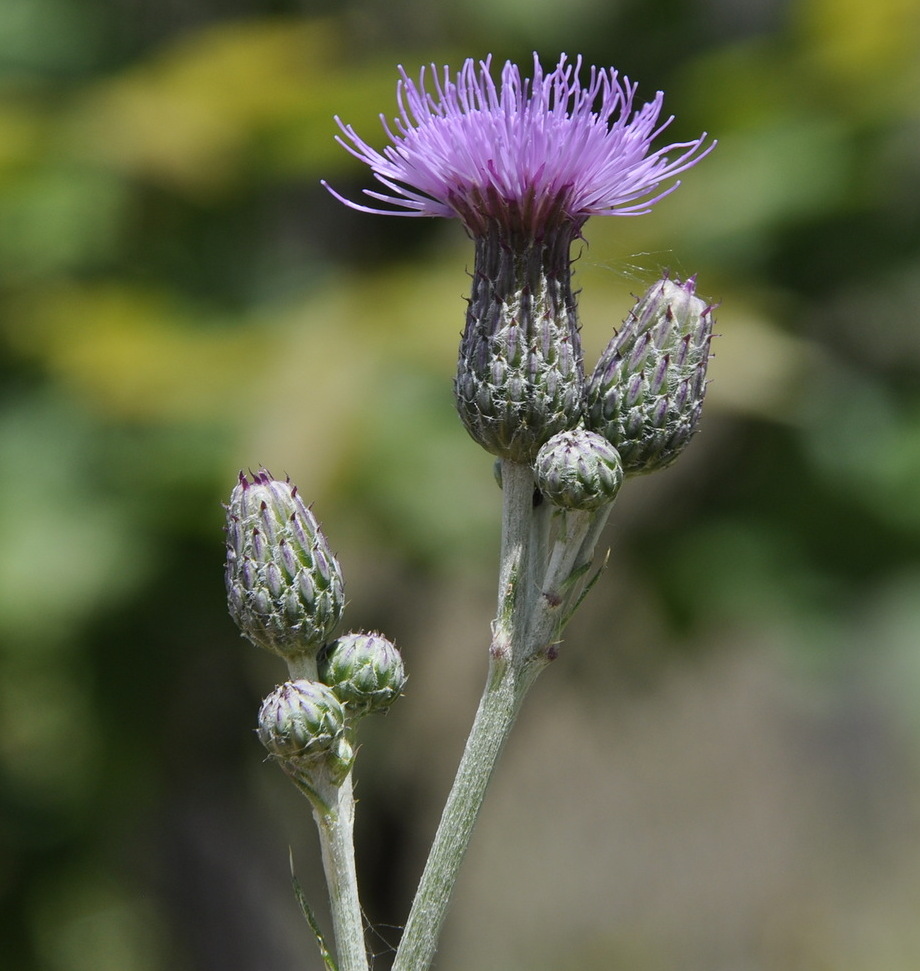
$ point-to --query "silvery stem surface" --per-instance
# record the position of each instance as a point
(335, 822)
(334, 812)
(302, 667)
(511, 672)
(545, 626)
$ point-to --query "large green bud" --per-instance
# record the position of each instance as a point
(520, 376)
(646, 393)
(284, 586)
(578, 469)
(302, 724)
(364, 670)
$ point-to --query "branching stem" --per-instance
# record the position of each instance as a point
(511, 673)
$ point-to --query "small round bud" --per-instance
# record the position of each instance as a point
(284, 585)
(302, 722)
(364, 670)
(579, 469)
(646, 393)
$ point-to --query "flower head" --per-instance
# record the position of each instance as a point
(528, 152)
(301, 720)
(302, 725)
(365, 671)
(284, 585)
(578, 469)
(646, 393)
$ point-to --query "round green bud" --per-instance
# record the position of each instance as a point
(284, 586)
(579, 469)
(364, 670)
(646, 393)
(302, 723)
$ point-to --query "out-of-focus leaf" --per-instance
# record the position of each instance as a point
(87, 920)
(136, 353)
(757, 369)
(421, 477)
(68, 546)
(58, 218)
(868, 52)
(186, 116)
(46, 36)
(198, 112)
(867, 443)
(763, 177)
(22, 128)
(525, 22)
(40, 716)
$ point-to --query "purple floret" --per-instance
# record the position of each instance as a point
(529, 153)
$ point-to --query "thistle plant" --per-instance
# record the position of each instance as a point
(522, 162)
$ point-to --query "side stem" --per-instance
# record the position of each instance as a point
(335, 821)
(334, 812)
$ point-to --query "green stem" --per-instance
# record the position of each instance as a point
(302, 667)
(511, 674)
(335, 818)
(498, 708)
(589, 544)
(539, 550)
(517, 584)
(334, 812)
(533, 595)
(554, 591)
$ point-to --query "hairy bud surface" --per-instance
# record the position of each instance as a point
(646, 393)
(365, 671)
(579, 469)
(284, 586)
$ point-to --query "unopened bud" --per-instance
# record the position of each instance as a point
(579, 469)
(302, 724)
(364, 670)
(646, 393)
(284, 585)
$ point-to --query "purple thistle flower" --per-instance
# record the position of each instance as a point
(530, 154)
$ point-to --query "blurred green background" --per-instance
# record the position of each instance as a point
(722, 771)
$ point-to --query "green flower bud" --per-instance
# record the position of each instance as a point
(364, 670)
(284, 586)
(579, 469)
(646, 393)
(302, 724)
(520, 377)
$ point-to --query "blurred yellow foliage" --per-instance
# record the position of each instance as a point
(869, 51)
(30, 743)
(135, 354)
(20, 135)
(190, 115)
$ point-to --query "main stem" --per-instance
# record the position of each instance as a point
(511, 673)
